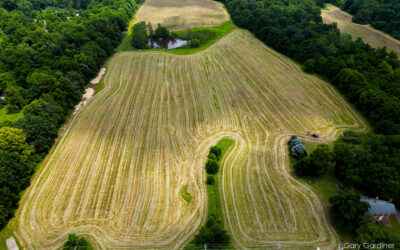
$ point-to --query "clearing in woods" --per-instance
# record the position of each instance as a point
(181, 14)
(116, 174)
(373, 37)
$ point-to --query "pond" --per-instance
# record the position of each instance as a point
(167, 43)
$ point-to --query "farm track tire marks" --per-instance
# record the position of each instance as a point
(182, 14)
(115, 174)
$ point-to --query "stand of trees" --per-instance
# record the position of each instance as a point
(316, 164)
(213, 233)
(352, 216)
(382, 15)
(373, 166)
(49, 50)
(75, 242)
(142, 32)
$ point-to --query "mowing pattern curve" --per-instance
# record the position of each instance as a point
(181, 14)
(116, 173)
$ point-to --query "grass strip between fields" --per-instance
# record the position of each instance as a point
(214, 203)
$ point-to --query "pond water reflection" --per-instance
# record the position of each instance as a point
(166, 43)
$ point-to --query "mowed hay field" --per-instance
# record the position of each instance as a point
(373, 37)
(181, 14)
(116, 173)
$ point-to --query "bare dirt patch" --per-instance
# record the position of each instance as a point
(89, 92)
(99, 76)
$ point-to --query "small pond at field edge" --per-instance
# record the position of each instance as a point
(166, 43)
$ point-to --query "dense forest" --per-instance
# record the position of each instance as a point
(368, 77)
(382, 15)
(49, 49)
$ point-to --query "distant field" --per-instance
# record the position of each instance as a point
(117, 172)
(182, 14)
(370, 35)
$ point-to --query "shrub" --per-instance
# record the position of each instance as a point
(194, 43)
(76, 242)
(210, 180)
(161, 32)
(212, 156)
(292, 138)
(298, 151)
(319, 160)
(216, 151)
(212, 167)
(302, 167)
(174, 35)
(294, 142)
(213, 233)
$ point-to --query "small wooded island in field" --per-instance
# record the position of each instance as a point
(188, 124)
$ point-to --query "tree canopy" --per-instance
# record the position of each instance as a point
(75, 242)
(49, 50)
(347, 211)
(14, 141)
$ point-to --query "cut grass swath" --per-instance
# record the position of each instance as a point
(116, 173)
(182, 14)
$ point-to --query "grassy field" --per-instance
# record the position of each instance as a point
(220, 31)
(373, 37)
(9, 117)
(395, 225)
(118, 173)
(182, 14)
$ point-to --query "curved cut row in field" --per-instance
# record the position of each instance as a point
(181, 14)
(116, 173)
(373, 37)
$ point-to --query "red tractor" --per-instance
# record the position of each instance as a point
(315, 135)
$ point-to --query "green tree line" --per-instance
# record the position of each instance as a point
(49, 50)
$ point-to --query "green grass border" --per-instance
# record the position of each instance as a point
(9, 117)
(214, 203)
(220, 31)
